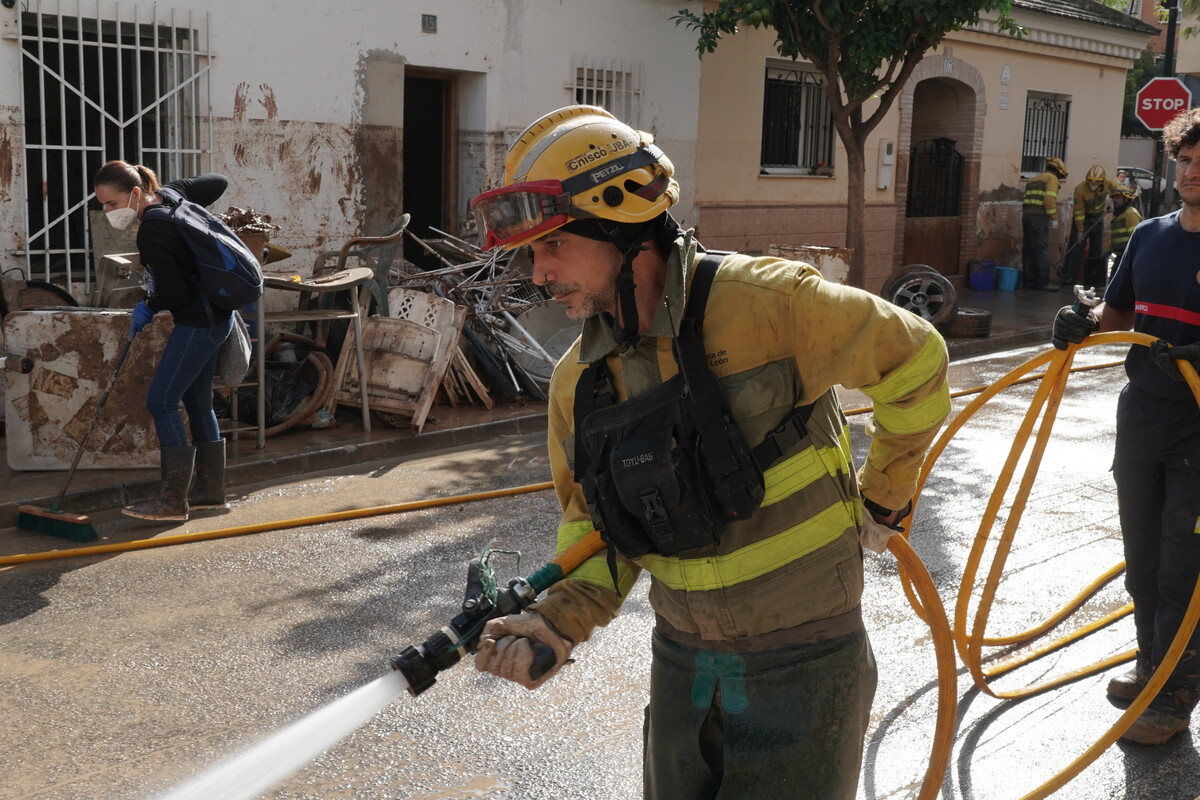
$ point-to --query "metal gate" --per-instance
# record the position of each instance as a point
(123, 81)
(934, 179)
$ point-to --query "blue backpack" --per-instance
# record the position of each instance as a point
(229, 274)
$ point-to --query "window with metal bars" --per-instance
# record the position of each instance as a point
(1046, 118)
(797, 129)
(134, 87)
(612, 84)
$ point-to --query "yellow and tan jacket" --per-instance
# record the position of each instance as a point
(1041, 195)
(1090, 203)
(777, 336)
(1122, 227)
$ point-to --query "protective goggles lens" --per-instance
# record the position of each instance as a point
(521, 211)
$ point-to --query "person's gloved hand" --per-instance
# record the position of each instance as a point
(142, 314)
(1053, 224)
(1071, 326)
(506, 648)
(1164, 355)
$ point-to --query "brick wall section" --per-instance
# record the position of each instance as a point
(751, 228)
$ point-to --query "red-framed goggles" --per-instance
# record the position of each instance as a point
(520, 211)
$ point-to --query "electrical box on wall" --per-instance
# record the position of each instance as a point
(887, 163)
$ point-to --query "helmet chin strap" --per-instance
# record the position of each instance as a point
(625, 322)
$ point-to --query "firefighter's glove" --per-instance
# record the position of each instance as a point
(880, 524)
(1072, 327)
(142, 314)
(506, 648)
(1053, 224)
(874, 536)
(1164, 357)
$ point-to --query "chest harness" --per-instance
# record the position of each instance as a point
(665, 471)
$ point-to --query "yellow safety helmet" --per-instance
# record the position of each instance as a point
(579, 162)
(1121, 190)
(1096, 175)
(1057, 165)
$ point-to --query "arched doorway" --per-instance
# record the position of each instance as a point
(942, 115)
(937, 204)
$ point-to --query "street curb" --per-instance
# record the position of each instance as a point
(256, 465)
(969, 348)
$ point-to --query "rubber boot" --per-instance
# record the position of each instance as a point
(208, 485)
(171, 502)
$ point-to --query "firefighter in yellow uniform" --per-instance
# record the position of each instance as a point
(1125, 218)
(1039, 215)
(1091, 202)
(696, 425)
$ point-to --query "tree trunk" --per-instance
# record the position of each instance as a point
(856, 211)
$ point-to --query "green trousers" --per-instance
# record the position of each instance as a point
(786, 723)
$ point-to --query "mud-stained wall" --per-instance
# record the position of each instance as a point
(12, 189)
(379, 139)
(303, 174)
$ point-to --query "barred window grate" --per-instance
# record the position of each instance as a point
(612, 84)
(1046, 118)
(128, 83)
(797, 132)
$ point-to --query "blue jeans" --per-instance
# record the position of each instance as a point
(185, 374)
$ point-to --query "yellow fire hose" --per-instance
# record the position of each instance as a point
(917, 583)
(316, 519)
(970, 647)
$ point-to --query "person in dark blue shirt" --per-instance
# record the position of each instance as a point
(188, 362)
(1156, 464)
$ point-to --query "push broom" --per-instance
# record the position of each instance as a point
(53, 520)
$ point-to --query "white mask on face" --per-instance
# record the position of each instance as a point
(122, 218)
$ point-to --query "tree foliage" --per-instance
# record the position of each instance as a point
(865, 49)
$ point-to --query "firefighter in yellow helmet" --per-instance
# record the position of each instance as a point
(1087, 232)
(1039, 215)
(1125, 218)
(699, 392)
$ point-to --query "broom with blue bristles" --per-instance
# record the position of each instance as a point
(53, 520)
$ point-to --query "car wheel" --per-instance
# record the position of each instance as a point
(925, 293)
(970, 322)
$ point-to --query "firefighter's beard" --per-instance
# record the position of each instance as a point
(578, 302)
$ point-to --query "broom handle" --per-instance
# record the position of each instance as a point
(95, 418)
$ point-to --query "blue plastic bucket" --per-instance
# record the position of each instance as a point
(981, 275)
(1006, 278)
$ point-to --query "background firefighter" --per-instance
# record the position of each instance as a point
(1039, 215)
(1087, 232)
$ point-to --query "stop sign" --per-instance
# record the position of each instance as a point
(1160, 100)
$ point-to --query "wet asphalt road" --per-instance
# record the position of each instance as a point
(123, 675)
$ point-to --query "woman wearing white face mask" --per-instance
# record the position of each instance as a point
(188, 362)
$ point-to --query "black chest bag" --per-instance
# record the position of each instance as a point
(665, 471)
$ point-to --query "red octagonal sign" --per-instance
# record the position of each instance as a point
(1160, 100)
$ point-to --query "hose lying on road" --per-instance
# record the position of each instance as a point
(316, 519)
(970, 646)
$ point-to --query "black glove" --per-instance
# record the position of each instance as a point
(1163, 355)
(1071, 326)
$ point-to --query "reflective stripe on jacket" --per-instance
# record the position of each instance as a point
(1122, 227)
(1089, 202)
(777, 336)
(1041, 195)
